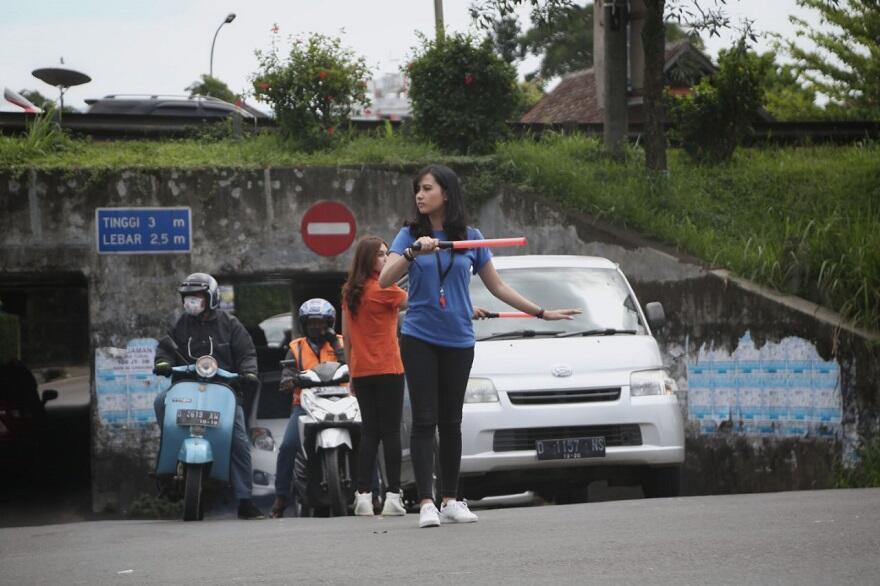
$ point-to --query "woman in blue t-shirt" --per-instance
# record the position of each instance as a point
(437, 338)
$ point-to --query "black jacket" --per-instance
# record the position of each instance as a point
(216, 333)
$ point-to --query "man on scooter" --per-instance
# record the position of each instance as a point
(317, 317)
(203, 329)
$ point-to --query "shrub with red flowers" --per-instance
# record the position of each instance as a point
(462, 94)
(313, 90)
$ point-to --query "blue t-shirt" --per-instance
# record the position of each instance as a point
(426, 318)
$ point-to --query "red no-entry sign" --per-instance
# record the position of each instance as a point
(328, 228)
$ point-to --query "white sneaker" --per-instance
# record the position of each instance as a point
(363, 504)
(456, 512)
(429, 516)
(393, 506)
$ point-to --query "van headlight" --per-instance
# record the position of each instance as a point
(480, 390)
(651, 382)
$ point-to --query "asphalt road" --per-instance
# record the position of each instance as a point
(810, 537)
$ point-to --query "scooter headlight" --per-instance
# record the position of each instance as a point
(206, 366)
(312, 408)
(262, 439)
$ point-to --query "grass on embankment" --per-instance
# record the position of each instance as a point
(56, 151)
(802, 220)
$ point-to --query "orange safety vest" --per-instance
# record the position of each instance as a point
(306, 359)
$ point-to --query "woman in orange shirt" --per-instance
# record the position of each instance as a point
(369, 324)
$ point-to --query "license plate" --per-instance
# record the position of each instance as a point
(198, 417)
(570, 449)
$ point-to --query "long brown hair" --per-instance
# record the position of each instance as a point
(361, 269)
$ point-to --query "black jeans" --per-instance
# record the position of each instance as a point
(437, 377)
(380, 398)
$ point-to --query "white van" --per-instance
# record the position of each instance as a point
(554, 405)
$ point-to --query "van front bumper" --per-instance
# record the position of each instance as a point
(639, 431)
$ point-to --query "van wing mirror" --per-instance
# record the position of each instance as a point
(656, 315)
(49, 395)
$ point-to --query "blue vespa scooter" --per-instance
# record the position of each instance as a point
(197, 429)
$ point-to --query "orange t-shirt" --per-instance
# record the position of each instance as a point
(373, 331)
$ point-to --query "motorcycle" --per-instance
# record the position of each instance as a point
(197, 430)
(325, 465)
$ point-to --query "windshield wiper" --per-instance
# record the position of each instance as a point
(597, 332)
(520, 334)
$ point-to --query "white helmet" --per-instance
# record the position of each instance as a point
(201, 283)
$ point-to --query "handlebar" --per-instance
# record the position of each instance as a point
(191, 368)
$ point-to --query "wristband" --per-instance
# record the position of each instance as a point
(408, 255)
(540, 314)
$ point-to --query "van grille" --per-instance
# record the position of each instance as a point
(566, 396)
(509, 440)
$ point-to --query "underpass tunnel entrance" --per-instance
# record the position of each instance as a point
(267, 306)
(45, 379)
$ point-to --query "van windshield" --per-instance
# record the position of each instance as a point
(602, 294)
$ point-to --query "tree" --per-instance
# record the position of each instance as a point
(462, 94)
(720, 110)
(42, 102)
(565, 43)
(846, 64)
(785, 97)
(211, 86)
(687, 13)
(528, 94)
(504, 36)
(313, 90)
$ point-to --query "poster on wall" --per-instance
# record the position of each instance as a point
(125, 384)
(781, 389)
(227, 297)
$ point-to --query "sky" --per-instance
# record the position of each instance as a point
(162, 46)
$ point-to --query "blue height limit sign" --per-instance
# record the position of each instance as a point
(143, 230)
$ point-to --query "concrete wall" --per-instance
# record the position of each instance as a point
(782, 395)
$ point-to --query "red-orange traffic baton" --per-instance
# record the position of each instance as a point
(486, 243)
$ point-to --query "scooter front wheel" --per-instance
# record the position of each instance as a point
(192, 495)
(334, 461)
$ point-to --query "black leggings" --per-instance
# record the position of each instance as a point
(380, 398)
(437, 377)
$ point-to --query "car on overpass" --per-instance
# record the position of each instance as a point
(161, 105)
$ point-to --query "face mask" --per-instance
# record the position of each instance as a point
(193, 305)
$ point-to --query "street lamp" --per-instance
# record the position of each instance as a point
(229, 18)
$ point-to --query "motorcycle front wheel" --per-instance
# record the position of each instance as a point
(192, 494)
(334, 466)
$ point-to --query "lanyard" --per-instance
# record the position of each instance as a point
(441, 275)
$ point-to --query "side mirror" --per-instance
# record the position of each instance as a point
(49, 395)
(167, 343)
(655, 314)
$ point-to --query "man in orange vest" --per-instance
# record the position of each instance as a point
(320, 344)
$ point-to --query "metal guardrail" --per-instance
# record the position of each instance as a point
(127, 126)
(762, 132)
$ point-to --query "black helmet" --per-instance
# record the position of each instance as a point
(201, 283)
(317, 308)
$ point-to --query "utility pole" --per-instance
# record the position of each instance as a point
(615, 123)
(439, 28)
